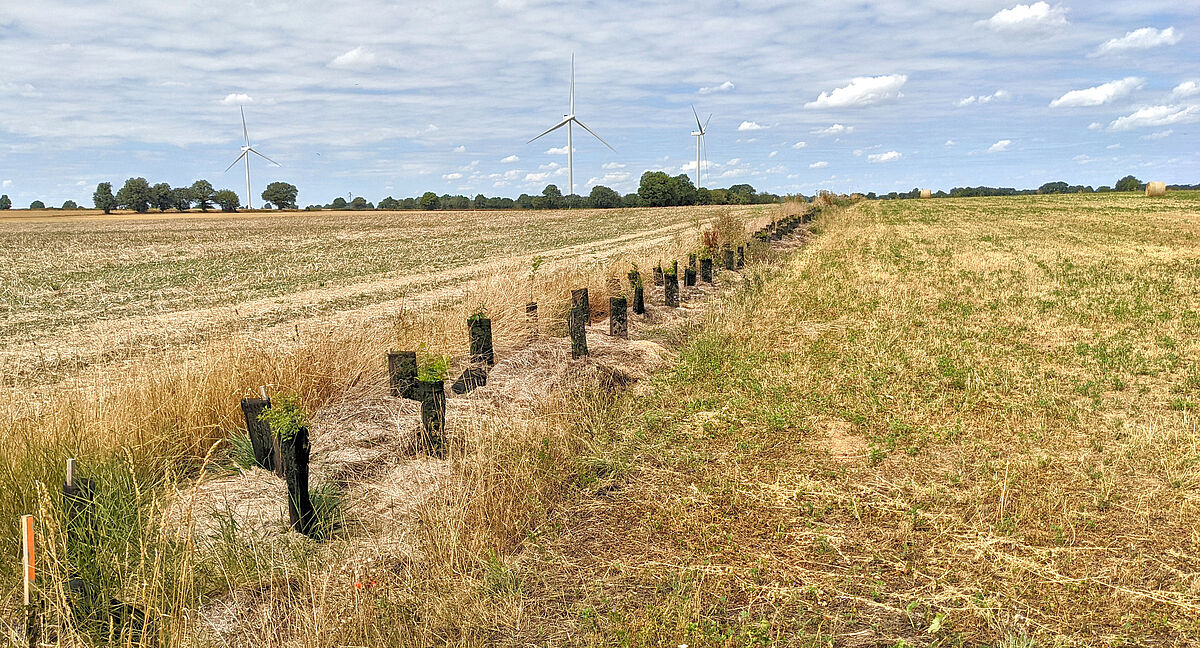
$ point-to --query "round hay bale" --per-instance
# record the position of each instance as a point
(925, 193)
(1156, 189)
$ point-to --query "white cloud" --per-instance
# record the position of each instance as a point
(890, 156)
(536, 177)
(1163, 134)
(460, 149)
(1186, 89)
(818, 165)
(1140, 39)
(6, 184)
(558, 150)
(1038, 16)
(999, 95)
(358, 58)
(1113, 147)
(612, 165)
(513, 174)
(836, 129)
(452, 176)
(749, 126)
(724, 87)
(512, 159)
(772, 154)
(862, 91)
(1002, 145)
(799, 145)
(733, 162)
(1154, 116)
(237, 99)
(1099, 95)
(1095, 126)
(950, 142)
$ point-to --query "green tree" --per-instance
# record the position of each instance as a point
(479, 202)
(135, 195)
(428, 201)
(161, 196)
(227, 200)
(604, 198)
(683, 192)
(37, 204)
(360, 203)
(743, 194)
(654, 189)
(5, 202)
(181, 198)
(70, 204)
(202, 194)
(338, 203)
(552, 198)
(1128, 183)
(281, 194)
(103, 197)
(389, 203)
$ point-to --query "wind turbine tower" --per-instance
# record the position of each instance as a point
(567, 120)
(246, 151)
(701, 129)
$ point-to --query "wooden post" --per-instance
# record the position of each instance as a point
(296, 453)
(260, 432)
(432, 394)
(741, 258)
(402, 371)
(671, 290)
(706, 270)
(639, 299)
(579, 299)
(480, 330)
(618, 317)
(575, 326)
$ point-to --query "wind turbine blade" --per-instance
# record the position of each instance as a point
(552, 129)
(264, 157)
(245, 133)
(698, 126)
(239, 159)
(706, 123)
(572, 83)
(593, 134)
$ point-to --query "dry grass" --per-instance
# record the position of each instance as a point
(161, 419)
(957, 422)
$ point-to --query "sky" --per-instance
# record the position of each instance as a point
(398, 98)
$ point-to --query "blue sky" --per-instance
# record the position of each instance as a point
(399, 98)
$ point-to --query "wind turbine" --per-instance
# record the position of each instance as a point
(701, 129)
(567, 120)
(246, 151)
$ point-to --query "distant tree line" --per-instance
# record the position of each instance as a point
(1128, 183)
(657, 189)
(139, 195)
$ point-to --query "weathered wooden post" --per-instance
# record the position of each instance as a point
(296, 451)
(671, 290)
(579, 299)
(741, 258)
(432, 395)
(402, 372)
(728, 257)
(480, 330)
(266, 453)
(576, 321)
(706, 270)
(618, 317)
(689, 277)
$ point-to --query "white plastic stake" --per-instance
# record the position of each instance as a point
(70, 472)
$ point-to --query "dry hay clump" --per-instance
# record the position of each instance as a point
(1156, 189)
(925, 193)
